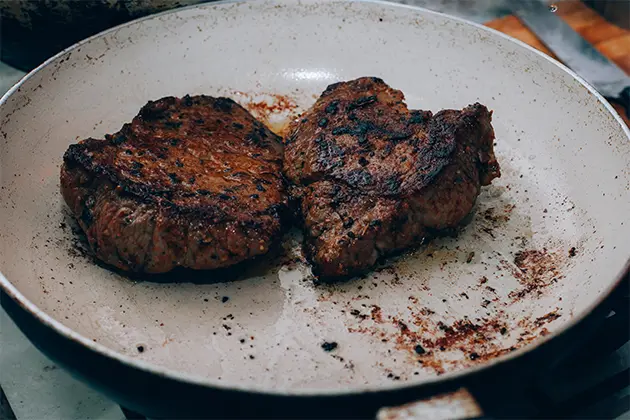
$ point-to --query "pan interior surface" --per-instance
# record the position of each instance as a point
(543, 243)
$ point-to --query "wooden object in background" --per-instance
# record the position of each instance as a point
(610, 40)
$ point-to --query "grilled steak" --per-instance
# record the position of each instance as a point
(372, 177)
(193, 182)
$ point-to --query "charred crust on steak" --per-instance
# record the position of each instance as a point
(261, 150)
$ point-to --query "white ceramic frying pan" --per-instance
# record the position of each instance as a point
(546, 243)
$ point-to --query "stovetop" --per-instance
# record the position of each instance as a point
(592, 383)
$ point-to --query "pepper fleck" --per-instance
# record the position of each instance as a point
(329, 346)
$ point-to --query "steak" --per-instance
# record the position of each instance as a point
(193, 182)
(371, 177)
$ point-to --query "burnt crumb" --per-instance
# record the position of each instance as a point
(551, 316)
(351, 235)
(242, 340)
(173, 178)
(363, 161)
(140, 349)
(470, 257)
(192, 179)
(304, 120)
(474, 356)
(503, 331)
(260, 188)
(331, 108)
(238, 126)
(572, 252)
(483, 280)
(347, 224)
(225, 197)
(419, 349)
(464, 295)
(254, 196)
(187, 100)
(179, 163)
(329, 346)
(251, 356)
(225, 299)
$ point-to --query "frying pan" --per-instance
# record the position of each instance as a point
(545, 246)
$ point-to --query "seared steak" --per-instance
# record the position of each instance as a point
(372, 177)
(193, 182)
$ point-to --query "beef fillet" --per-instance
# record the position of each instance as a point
(372, 177)
(193, 182)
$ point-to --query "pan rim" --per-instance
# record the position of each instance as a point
(198, 380)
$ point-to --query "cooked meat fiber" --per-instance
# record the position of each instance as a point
(193, 182)
(372, 177)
